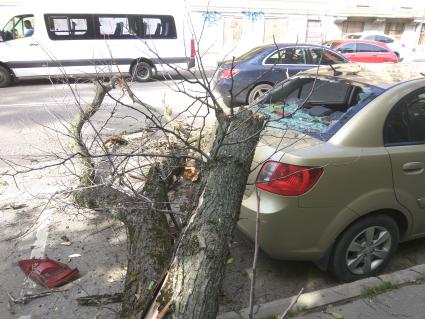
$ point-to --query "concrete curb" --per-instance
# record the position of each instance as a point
(328, 296)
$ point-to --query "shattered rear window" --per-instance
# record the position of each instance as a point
(317, 107)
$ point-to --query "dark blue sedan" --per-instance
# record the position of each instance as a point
(254, 73)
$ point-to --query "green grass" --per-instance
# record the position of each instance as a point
(373, 291)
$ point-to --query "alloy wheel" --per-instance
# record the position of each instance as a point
(368, 250)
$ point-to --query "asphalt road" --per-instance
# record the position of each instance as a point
(34, 116)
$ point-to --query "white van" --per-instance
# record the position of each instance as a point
(92, 37)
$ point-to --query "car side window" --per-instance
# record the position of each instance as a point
(370, 37)
(383, 39)
(348, 48)
(405, 123)
(363, 47)
(287, 56)
(325, 57)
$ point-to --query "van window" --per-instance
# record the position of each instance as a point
(117, 26)
(61, 27)
(158, 27)
(17, 28)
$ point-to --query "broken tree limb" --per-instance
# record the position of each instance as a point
(96, 300)
(149, 242)
(193, 282)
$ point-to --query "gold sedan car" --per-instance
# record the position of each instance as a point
(340, 171)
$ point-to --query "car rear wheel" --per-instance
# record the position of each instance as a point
(365, 248)
(5, 77)
(258, 91)
(142, 72)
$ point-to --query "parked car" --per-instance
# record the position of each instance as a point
(341, 176)
(365, 51)
(254, 73)
(395, 45)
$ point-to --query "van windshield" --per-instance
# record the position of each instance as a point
(317, 107)
(19, 27)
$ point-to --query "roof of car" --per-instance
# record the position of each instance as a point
(280, 45)
(345, 41)
(383, 75)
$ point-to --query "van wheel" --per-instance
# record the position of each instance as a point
(365, 248)
(5, 77)
(142, 72)
(258, 91)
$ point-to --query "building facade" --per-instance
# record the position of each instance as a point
(228, 28)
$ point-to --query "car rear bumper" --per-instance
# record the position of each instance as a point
(288, 231)
(231, 93)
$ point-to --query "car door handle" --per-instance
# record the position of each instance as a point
(33, 44)
(413, 167)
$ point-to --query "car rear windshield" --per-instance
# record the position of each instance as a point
(353, 36)
(318, 107)
(251, 53)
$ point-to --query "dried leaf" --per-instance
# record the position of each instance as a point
(336, 315)
(191, 171)
(116, 139)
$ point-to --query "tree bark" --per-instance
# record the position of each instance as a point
(149, 241)
(193, 283)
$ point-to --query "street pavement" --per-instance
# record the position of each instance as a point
(25, 116)
(404, 302)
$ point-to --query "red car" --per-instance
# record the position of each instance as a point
(365, 51)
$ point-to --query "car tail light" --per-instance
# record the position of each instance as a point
(192, 48)
(228, 73)
(288, 180)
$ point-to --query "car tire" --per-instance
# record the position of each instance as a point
(258, 91)
(142, 72)
(5, 77)
(364, 248)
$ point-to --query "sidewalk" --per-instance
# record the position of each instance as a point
(397, 295)
(404, 302)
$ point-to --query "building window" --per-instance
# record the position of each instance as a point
(232, 30)
(394, 28)
(275, 29)
(352, 26)
(314, 31)
(422, 36)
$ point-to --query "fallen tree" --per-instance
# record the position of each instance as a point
(186, 283)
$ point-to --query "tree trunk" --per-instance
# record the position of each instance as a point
(149, 241)
(193, 283)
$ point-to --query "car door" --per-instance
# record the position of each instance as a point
(404, 137)
(286, 61)
(324, 56)
(374, 53)
(349, 51)
(22, 53)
